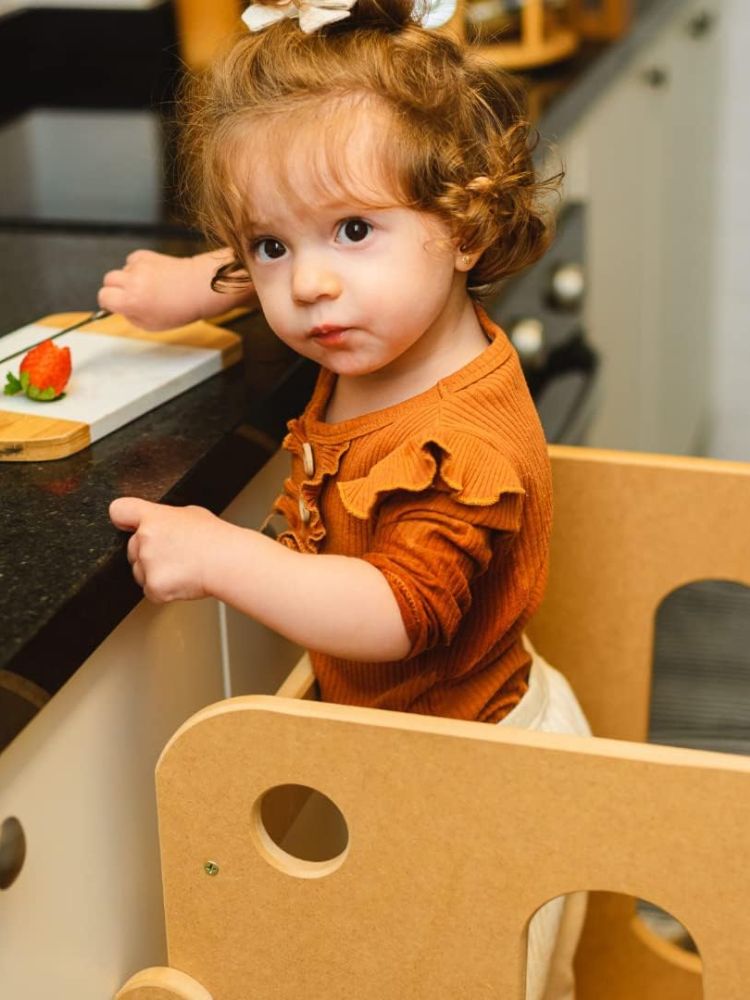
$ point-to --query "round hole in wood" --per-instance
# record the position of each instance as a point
(300, 830)
(12, 851)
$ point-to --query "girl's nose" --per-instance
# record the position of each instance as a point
(313, 280)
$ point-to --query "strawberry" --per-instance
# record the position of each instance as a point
(44, 373)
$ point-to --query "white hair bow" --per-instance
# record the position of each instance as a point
(313, 14)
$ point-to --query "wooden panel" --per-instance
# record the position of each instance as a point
(458, 832)
(433, 893)
(629, 529)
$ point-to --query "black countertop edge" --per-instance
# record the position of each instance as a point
(85, 620)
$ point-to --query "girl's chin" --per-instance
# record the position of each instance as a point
(348, 367)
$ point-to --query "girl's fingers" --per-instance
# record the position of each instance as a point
(111, 299)
(136, 255)
(133, 549)
(116, 278)
(138, 574)
(126, 513)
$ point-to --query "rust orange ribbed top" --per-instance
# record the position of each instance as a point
(449, 495)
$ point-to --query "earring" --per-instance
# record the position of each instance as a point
(465, 260)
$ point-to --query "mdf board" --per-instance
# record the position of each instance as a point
(629, 530)
(432, 894)
(458, 831)
(119, 373)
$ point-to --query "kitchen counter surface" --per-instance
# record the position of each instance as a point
(64, 579)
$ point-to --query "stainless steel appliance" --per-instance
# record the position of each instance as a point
(541, 310)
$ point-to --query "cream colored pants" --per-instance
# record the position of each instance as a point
(550, 706)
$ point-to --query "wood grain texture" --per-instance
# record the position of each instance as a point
(26, 438)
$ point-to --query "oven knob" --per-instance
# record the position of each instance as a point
(527, 336)
(567, 286)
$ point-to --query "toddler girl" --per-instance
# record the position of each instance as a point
(368, 179)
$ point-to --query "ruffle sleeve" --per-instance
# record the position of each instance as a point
(471, 469)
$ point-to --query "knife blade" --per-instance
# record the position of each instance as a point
(99, 314)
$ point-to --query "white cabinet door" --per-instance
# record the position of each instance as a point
(644, 161)
(621, 143)
(258, 658)
(85, 911)
(687, 227)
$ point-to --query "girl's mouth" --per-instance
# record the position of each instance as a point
(328, 334)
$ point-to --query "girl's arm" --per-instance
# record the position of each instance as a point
(334, 604)
(155, 291)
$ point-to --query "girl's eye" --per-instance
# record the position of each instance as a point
(268, 249)
(353, 231)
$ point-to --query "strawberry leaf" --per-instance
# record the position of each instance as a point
(13, 385)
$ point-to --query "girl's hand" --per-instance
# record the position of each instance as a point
(157, 292)
(169, 548)
(184, 553)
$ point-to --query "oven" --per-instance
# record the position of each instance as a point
(541, 310)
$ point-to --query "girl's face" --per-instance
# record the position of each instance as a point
(358, 290)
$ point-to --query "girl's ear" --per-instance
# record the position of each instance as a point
(465, 261)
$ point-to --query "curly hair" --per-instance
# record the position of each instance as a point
(458, 142)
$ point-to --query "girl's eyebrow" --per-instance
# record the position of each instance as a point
(335, 208)
(254, 227)
(353, 207)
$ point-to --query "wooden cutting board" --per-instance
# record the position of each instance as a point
(119, 373)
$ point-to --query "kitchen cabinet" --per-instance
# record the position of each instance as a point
(85, 910)
(644, 161)
(257, 658)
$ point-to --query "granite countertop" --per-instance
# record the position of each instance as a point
(64, 579)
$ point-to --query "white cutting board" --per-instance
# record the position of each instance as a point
(119, 373)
